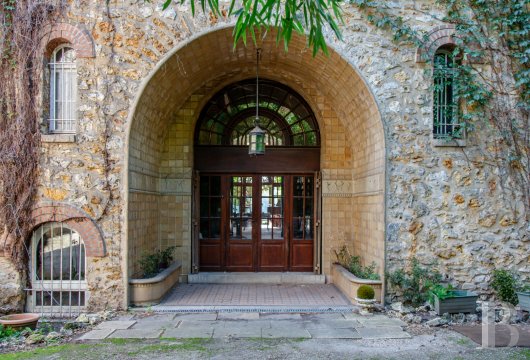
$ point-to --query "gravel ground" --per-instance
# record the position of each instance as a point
(438, 344)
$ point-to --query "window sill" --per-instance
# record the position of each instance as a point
(58, 138)
(448, 142)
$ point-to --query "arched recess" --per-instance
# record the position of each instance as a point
(74, 218)
(160, 144)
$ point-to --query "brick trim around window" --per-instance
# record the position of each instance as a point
(75, 219)
(61, 33)
(439, 36)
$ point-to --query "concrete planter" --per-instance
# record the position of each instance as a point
(20, 321)
(524, 300)
(145, 292)
(462, 301)
(349, 283)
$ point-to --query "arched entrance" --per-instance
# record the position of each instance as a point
(256, 213)
(162, 156)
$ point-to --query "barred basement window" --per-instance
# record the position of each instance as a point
(63, 90)
(445, 108)
(57, 271)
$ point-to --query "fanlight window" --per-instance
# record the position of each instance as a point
(63, 90)
(58, 271)
(229, 116)
(445, 107)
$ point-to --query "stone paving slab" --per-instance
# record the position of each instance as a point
(383, 332)
(136, 334)
(156, 317)
(188, 333)
(380, 320)
(252, 325)
(116, 324)
(323, 316)
(266, 316)
(285, 330)
(251, 329)
(332, 324)
(198, 316)
(97, 334)
(155, 324)
(238, 316)
(330, 333)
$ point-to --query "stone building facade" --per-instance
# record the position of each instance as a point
(123, 180)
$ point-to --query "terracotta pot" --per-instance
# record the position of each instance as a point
(20, 321)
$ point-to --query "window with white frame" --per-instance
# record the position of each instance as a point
(445, 107)
(63, 90)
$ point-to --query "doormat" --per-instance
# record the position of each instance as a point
(505, 335)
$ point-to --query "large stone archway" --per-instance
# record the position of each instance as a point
(160, 144)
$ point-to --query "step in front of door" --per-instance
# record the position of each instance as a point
(255, 278)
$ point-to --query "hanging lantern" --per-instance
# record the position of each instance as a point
(257, 141)
(257, 135)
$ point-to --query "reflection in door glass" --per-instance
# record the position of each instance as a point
(210, 207)
(303, 212)
(272, 208)
(241, 208)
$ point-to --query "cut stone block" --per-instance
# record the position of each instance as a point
(383, 332)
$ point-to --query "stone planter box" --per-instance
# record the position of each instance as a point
(462, 301)
(524, 300)
(349, 283)
(146, 292)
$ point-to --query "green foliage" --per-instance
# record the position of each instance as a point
(365, 292)
(504, 283)
(441, 292)
(152, 264)
(416, 283)
(7, 332)
(353, 264)
(256, 17)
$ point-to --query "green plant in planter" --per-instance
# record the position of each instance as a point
(504, 283)
(365, 292)
(152, 264)
(415, 283)
(441, 292)
(353, 264)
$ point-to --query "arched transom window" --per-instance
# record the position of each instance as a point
(63, 90)
(229, 116)
(58, 271)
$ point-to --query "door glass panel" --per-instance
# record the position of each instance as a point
(272, 210)
(303, 211)
(241, 208)
(210, 211)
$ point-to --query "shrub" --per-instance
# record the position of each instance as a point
(416, 283)
(7, 332)
(353, 264)
(152, 264)
(504, 283)
(365, 292)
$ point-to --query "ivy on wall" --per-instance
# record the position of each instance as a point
(21, 22)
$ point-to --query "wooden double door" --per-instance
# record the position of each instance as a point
(256, 222)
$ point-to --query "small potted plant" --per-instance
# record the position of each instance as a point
(523, 295)
(365, 297)
(447, 299)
